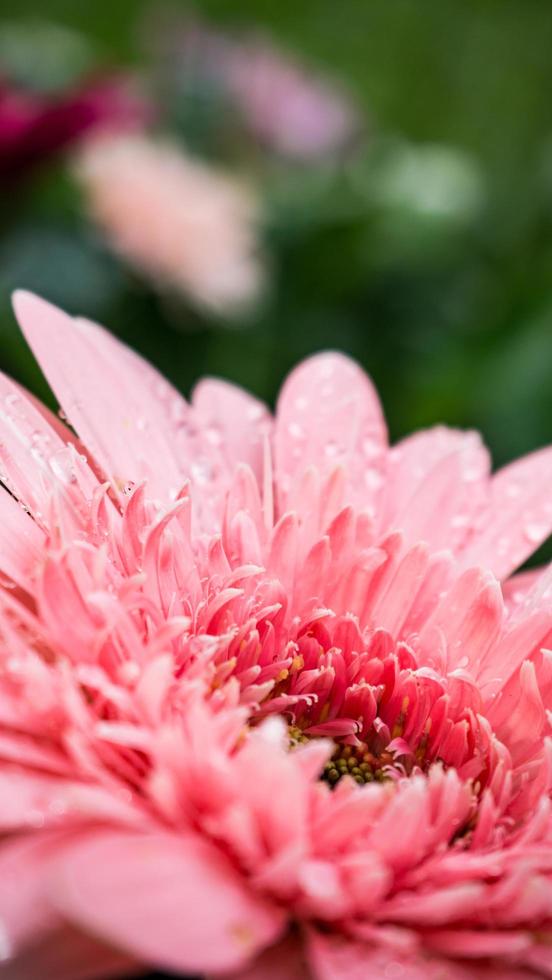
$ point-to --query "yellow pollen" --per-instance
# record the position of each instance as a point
(356, 762)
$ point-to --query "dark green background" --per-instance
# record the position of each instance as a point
(453, 318)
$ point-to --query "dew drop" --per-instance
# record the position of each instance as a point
(471, 474)
(39, 438)
(460, 520)
(254, 413)
(373, 479)
(62, 468)
(371, 448)
(129, 672)
(331, 448)
(536, 532)
(201, 471)
(161, 388)
(213, 435)
(296, 431)
(513, 490)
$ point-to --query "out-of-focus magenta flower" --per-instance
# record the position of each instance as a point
(291, 110)
(33, 128)
(272, 705)
(180, 222)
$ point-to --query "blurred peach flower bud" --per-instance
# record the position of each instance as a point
(181, 223)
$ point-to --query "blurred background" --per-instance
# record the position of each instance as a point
(229, 187)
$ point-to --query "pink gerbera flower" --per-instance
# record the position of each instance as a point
(266, 708)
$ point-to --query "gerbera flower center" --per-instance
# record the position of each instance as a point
(359, 763)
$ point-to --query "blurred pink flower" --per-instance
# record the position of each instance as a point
(34, 128)
(179, 221)
(267, 710)
(293, 111)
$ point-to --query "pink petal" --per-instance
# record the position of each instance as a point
(519, 518)
(341, 959)
(469, 617)
(33, 449)
(434, 907)
(329, 414)
(25, 914)
(233, 420)
(517, 714)
(68, 954)
(21, 542)
(524, 636)
(171, 901)
(442, 505)
(118, 404)
(466, 943)
(516, 589)
(287, 959)
(413, 463)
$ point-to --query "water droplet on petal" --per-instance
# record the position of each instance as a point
(61, 465)
(371, 448)
(513, 490)
(129, 672)
(200, 471)
(254, 412)
(460, 520)
(11, 400)
(161, 388)
(213, 435)
(536, 532)
(331, 448)
(296, 431)
(373, 479)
